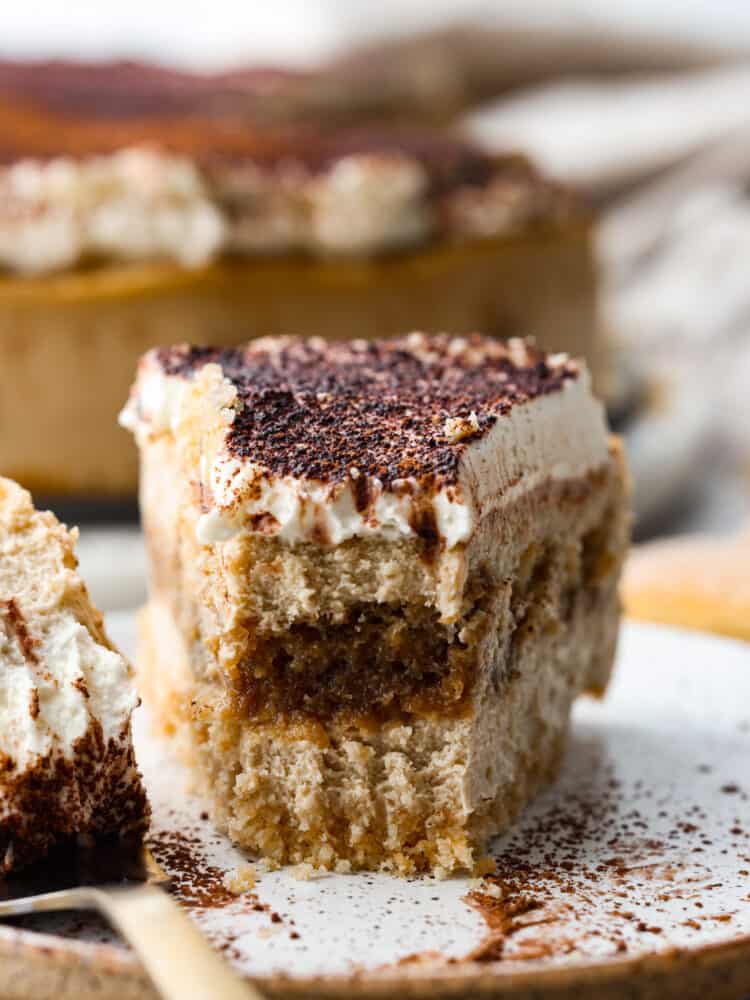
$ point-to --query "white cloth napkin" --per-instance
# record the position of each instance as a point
(599, 135)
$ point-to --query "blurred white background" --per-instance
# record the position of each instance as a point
(302, 31)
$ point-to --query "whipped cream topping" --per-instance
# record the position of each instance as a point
(134, 205)
(363, 203)
(143, 204)
(299, 510)
(557, 435)
(74, 686)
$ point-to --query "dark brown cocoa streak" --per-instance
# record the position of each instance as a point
(34, 704)
(362, 493)
(381, 665)
(127, 89)
(17, 622)
(424, 524)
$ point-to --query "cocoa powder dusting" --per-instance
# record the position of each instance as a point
(195, 882)
(308, 408)
(547, 899)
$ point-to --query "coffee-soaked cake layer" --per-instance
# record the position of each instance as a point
(384, 661)
(379, 576)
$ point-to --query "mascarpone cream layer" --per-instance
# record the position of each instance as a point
(558, 436)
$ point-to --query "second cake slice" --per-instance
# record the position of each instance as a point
(380, 574)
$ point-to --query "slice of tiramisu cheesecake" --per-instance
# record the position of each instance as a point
(66, 695)
(380, 574)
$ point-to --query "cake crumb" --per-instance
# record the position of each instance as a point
(240, 880)
(493, 889)
(305, 872)
(485, 866)
(458, 428)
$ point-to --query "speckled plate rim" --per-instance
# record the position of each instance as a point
(30, 959)
(45, 966)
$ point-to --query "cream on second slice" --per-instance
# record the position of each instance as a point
(66, 695)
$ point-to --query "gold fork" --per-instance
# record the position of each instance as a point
(126, 885)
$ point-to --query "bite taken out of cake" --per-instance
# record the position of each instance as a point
(381, 572)
(67, 767)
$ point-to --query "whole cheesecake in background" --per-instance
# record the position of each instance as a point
(132, 215)
(67, 767)
(381, 571)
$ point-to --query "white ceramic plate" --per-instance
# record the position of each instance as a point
(641, 850)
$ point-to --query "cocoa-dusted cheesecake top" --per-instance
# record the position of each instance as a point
(174, 168)
(420, 435)
(391, 409)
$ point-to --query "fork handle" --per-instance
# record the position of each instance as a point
(179, 960)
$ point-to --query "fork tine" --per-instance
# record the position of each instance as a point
(46, 902)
